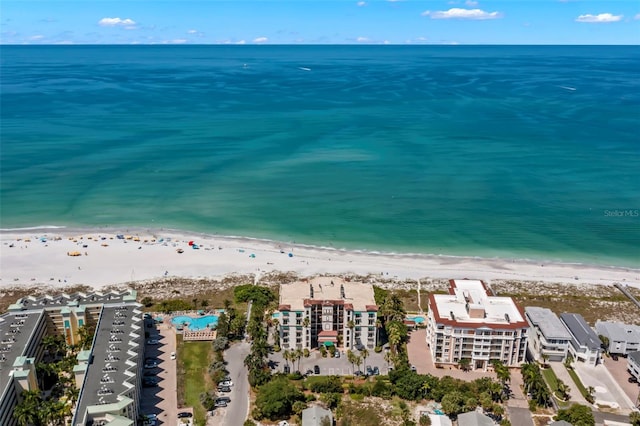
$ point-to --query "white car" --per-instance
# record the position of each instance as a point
(173, 355)
(228, 383)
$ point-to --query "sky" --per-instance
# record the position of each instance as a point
(320, 22)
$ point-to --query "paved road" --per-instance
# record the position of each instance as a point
(520, 416)
(600, 417)
(236, 412)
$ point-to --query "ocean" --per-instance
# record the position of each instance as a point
(492, 151)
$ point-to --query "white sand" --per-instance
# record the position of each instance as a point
(37, 262)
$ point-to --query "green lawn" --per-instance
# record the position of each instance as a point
(193, 378)
(550, 378)
(577, 381)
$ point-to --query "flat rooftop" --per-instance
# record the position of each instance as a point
(321, 289)
(16, 331)
(469, 303)
(115, 352)
(548, 323)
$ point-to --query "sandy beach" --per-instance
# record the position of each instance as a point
(110, 257)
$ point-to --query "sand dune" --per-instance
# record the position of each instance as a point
(41, 256)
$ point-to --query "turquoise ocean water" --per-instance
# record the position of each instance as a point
(508, 151)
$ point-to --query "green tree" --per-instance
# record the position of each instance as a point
(453, 403)
(364, 353)
(605, 342)
(464, 364)
(634, 418)
(424, 420)
(577, 415)
(276, 398)
(568, 361)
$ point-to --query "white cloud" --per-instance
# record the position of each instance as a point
(361, 3)
(117, 22)
(363, 40)
(192, 32)
(260, 40)
(602, 17)
(637, 17)
(471, 3)
(175, 41)
(457, 13)
(36, 37)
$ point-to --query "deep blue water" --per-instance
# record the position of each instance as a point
(508, 151)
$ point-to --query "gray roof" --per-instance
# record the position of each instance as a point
(110, 375)
(313, 415)
(548, 322)
(619, 332)
(635, 357)
(473, 418)
(560, 423)
(16, 330)
(580, 330)
(75, 299)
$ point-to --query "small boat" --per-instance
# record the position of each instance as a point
(180, 250)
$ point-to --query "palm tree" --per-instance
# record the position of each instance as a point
(358, 360)
(545, 358)
(364, 353)
(299, 355)
(287, 356)
(378, 327)
(464, 364)
(387, 357)
(351, 357)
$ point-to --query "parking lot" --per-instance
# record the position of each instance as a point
(330, 366)
(162, 399)
(618, 370)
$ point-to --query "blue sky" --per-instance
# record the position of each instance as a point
(320, 22)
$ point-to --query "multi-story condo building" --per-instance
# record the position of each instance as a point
(470, 323)
(623, 338)
(327, 311)
(548, 337)
(107, 375)
(585, 344)
(633, 364)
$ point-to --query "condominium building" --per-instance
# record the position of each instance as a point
(470, 323)
(327, 311)
(623, 338)
(585, 344)
(548, 338)
(107, 375)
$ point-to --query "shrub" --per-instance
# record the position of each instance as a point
(377, 349)
(276, 348)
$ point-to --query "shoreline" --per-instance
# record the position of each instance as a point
(107, 260)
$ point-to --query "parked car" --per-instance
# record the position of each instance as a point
(413, 368)
(316, 369)
(153, 342)
(358, 373)
(226, 383)
(219, 404)
(224, 399)
(150, 416)
(614, 357)
(173, 355)
(151, 365)
(224, 389)
(376, 371)
(369, 370)
(336, 354)
(184, 415)
(632, 380)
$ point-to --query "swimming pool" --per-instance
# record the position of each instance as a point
(417, 320)
(195, 324)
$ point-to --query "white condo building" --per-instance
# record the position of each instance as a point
(471, 323)
(548, 336)
(320, 311)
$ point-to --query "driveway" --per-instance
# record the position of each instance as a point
(520, 416)
(161, 400)
(561, 373)
(237, 410)
(608, 392)
(329, 366)
(618, 370)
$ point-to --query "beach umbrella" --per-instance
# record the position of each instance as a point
(190, 243)
(290, 254)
